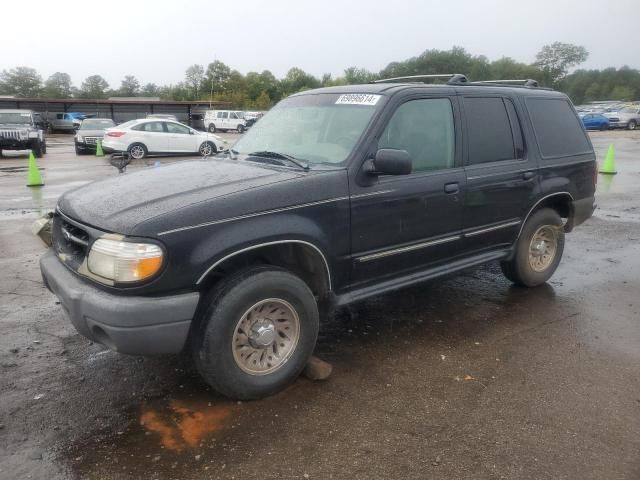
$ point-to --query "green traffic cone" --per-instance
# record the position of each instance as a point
(609, 165)
(34, 179)
(99, 152)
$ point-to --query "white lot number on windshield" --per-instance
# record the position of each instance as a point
(357, 99)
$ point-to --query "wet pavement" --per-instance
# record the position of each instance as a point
(469, 377)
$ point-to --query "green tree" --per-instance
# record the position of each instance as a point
(150, 90)
(58, 85)
(129, 87)
(194, 78)
(556, 59)
(263, 102)
(21, 82)
(217, 76)
(354, 75)
(621, 92)
(93, 86)
(298, 80)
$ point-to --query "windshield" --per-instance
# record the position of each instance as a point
(629, 110)
(15, 117)
(321, 128)
(96, 124)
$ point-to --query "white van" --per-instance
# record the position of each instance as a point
(224, 120)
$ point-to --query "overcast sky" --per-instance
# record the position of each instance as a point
(157, 40)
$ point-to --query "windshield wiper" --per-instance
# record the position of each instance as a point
(281, 156)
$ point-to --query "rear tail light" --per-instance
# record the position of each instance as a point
(115, 134)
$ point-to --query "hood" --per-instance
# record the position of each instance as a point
(120, 203)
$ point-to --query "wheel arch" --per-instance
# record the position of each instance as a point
(561, 202)
(301, 257)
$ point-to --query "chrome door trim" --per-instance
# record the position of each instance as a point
(408, 248)
(492, 228)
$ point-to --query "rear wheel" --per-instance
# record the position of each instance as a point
(538, 250)
(240, 128)
(632, 125)
(212, 128)
(256, 333)
(137, 151)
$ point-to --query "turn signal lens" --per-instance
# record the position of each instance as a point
(124, 261)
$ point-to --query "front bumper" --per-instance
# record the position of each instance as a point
(134, 325)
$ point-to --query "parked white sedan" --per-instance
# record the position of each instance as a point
(151, 136)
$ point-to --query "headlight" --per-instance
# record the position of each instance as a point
(79, 138)
(124, 261)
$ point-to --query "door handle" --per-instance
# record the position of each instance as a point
(528, 175)
(451, 188)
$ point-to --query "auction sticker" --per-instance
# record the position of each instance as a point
(357, 99)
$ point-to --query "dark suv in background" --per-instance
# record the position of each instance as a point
(336, 195)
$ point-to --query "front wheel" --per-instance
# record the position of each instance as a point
(256, 333)
(632, 125)
(538, 250)
(604, 127)
(240, 128)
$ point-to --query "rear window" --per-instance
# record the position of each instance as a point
(558, 130)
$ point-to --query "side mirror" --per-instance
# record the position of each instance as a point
(389, 161)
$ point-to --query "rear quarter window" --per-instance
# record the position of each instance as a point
(558, 131)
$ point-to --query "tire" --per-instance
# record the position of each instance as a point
(632, 125)
(529, 267)
(36, 147)
(604, 127)
(212, 128)
(246, 373)
(240, 128)
(210, 146)
(137, 151)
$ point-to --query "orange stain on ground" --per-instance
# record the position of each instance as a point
(186, 425)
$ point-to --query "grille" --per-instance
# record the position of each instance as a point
(614, 119)
(91, 140)
(70, 241)
(10, 134)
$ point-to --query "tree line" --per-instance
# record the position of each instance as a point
(260, 90)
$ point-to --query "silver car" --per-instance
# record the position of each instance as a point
(627, 117)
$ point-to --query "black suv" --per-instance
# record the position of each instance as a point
(336, 195)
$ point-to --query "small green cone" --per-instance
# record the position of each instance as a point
(609, 165)
(34, 178)
(99, 152)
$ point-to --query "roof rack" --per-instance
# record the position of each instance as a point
(454, 78)
(526, 82)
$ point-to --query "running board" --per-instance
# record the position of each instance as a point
(418, 277)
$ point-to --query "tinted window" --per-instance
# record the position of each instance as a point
(424, 128)
(489, 134)
(233, 115)
(176, 128)
(558, 131)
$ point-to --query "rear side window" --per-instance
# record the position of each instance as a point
(490, 138)
(558, 131)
